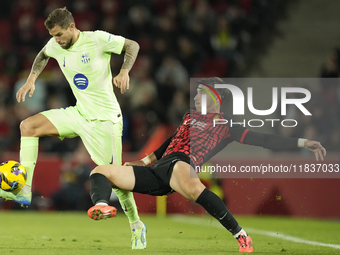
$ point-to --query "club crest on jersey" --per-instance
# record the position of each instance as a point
(195, 124)
(80, 81)
(85, 58)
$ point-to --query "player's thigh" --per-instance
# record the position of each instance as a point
(152, 180)
(121, 177)
(185, 181)
(67, 121)
(38, 125)
(103, 141)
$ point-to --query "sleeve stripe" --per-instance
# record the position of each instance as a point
(244, 135)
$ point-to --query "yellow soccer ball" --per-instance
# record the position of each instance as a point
(12, 176)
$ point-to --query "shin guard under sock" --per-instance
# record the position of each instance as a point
(128, 204)
(216, 208)
(100, 189)
(29, 156)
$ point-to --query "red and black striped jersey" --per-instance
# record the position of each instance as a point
(200, 139)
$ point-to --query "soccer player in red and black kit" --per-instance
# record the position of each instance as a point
(195, 141)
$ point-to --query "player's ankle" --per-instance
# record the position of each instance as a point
(136, 225)
(102, 203)
(239, 233)
(26, 189)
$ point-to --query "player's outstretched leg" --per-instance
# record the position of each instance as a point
(183, 181)
(22, 197)
(216, 208)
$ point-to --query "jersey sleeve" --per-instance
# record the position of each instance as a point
(237, 132)
(49, 48)
(270, 141)
(109, 42)
(159, 152)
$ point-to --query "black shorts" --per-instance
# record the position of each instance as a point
(155, 179)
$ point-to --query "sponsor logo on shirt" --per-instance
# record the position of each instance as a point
(195, 124)
(80, 81)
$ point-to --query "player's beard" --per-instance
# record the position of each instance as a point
(68, 44)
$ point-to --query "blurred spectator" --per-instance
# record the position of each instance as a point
(223, 42)
(202, 12)
(166, 28)
(5, 129)
(177, 108)
(139, 21)
(160, 50)
(83, 14)
(201, 37)
(170, 76)
(330, 68)
(32, 104)
(189, 55)
(142, 92)
(173, 72)
(5, 91)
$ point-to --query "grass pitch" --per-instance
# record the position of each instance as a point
(27, 232)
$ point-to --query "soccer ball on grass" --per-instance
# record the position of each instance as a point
(12, 176)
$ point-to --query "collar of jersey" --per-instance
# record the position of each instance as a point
(77, 42)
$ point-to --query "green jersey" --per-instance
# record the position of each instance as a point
(86, 66)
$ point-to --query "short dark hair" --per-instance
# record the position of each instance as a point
(216, 80)
(59, 17)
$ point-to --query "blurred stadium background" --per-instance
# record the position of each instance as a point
(179, 40)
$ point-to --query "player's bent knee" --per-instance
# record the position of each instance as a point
(109, 171)
(198, 191)
(194, 190)
(26, 128)
(185, 181)
(97, 170)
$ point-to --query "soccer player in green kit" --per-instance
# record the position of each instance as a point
(84, 58)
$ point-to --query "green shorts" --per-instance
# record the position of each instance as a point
(102, 139)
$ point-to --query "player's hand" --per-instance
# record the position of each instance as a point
(317, 148)
(27, 87)
(122, 80)
(134, 163)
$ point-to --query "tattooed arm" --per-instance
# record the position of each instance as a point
(131, 49)
(38, 65)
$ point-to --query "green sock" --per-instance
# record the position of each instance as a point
(128, 204)
(29, 156)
